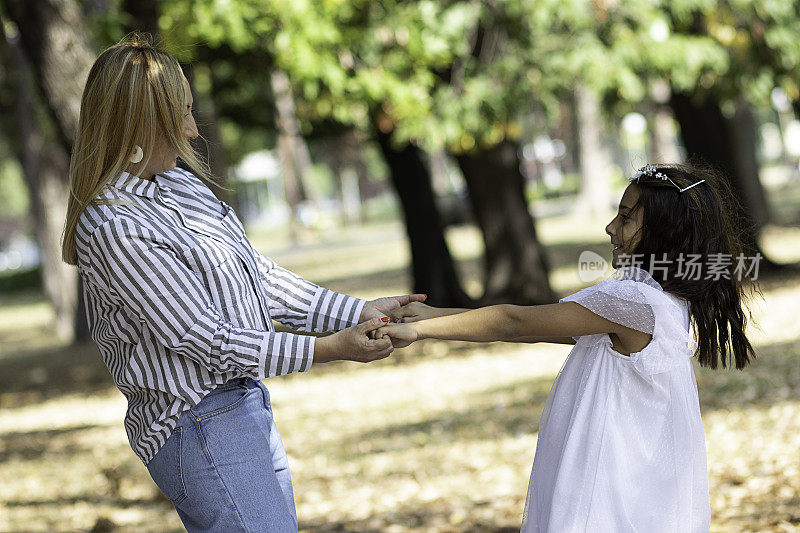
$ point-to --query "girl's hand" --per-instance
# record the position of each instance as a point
(401, 335)
(416, 311)
(354, 344)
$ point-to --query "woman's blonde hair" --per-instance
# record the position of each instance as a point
(134, 96)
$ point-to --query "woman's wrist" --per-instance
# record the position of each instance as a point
(325, 349)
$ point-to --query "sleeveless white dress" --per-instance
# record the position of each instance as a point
(621, 445)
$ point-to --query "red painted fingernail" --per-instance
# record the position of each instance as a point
(385, 319)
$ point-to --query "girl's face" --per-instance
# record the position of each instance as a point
(625, 228)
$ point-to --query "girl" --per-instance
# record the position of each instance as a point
(621, 444)
(181, 305)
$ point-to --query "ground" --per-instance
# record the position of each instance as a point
(440, 437)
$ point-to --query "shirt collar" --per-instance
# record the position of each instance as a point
(136, 185)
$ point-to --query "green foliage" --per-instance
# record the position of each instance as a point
(461, 75)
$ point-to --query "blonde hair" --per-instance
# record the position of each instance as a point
(134, 96)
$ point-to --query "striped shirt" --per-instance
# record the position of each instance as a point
(179, 302)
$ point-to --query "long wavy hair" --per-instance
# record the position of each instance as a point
(134, 96)
(705, 220)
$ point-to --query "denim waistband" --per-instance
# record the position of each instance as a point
(232, 384)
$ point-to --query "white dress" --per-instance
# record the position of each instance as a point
(621, 445)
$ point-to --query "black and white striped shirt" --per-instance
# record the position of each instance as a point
(179, 302)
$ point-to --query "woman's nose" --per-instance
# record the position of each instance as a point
(191, 132)
(609, 230)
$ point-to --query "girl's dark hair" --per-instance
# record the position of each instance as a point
(705, 220)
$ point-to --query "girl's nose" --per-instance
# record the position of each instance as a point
(609, 230)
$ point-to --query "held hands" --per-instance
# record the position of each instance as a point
(354, 344)
(362, 343)
(383, 307)
(414, 312)
(401, 335)
(403, 310)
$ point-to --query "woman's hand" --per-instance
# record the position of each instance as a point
(354, 344)
(383, 307)
(401, 335)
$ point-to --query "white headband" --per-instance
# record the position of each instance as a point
(651, 171)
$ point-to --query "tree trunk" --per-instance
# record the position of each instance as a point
(57, 47)
(143, 16)
(431, 263)
(341, 151)
(516, 267)
(350, 196)
(54, 37)
(291, 148)
(662, 135)
(729, 144)
(44, 165)
(594, 196)
(210, 140)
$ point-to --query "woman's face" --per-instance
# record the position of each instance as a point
(164, 155)
(625, 228)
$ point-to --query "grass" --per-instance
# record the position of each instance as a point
(440, 437)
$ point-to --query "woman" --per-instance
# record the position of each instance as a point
(181, 305)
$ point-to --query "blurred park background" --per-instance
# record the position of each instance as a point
(470, 150)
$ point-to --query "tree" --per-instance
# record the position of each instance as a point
(729, 140)
(409, 64)
(272, 30)
(295, 157)
(461, 75)
(720, 60)
(432, 266)
(594, 195)
(730, 144)
(514, 257)
(60, 53)
(60, 56)
(141, 16)
(44, 165)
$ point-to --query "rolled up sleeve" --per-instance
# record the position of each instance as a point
(304, 305)
(151, 279)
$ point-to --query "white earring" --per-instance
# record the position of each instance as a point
(138, 154)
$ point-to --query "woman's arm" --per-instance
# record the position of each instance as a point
(303, 305)
(510, 323)
(142, 274)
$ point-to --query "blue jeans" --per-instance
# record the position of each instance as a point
(224, 467)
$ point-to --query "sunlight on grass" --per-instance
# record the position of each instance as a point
(782, 244)
(26, 323)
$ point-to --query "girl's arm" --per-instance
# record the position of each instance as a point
(511, 323)
(551, 340)
(416, 311)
